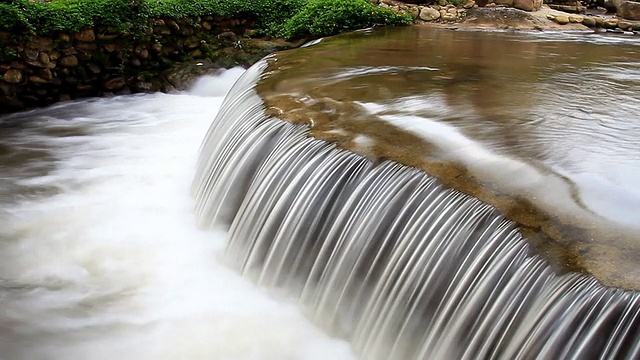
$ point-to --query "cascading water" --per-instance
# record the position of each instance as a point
(100, 256)
(383, 255)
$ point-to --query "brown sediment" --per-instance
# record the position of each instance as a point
(566, 241)
(392, 143)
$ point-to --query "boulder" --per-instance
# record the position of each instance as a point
(625, 25)
(589, 21)
(503, 2)
(629, 10)
(429, 14)
(527, 5)
(610, 23)
(13, 76)
(41, 44)
(114, 84)
(85, 35)
(69, 61)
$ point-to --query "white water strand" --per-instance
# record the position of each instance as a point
(108, 263)
(384, 256)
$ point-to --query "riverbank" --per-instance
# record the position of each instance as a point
(519, 15)
(70, 49)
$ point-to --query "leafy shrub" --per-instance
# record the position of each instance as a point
(290, 18)
(12, 16)
(329, 17)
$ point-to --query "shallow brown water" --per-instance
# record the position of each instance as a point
(543, 126)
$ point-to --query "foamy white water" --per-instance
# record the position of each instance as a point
(107, 263)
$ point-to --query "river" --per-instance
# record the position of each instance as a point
(100, 256)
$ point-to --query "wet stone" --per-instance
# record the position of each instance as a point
(13, 76)
(69, 61)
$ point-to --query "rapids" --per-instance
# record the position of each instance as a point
(100, 256)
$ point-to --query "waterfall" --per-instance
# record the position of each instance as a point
(385, 256)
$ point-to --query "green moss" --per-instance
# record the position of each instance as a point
(290, 18)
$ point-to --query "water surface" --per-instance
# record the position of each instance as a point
(100, 257)
(544, 126)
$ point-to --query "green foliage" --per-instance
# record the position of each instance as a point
(329, 17)
(12, 15)
(68, 15)
(290, 18)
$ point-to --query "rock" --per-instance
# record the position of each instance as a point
(107, 36)
(228, 36)
(192, 43)
(87, 46)
(41, 44)
(625, 25)
(46, 74)
(414, 11)
(135, 62)
(589, 21)
(142, 52)
(18, 65)
(171, 24)
(561, 19)
(85, 35)
(599, 21)
(156, 47)
(629, 10)
(43, 57)
(64, 38)
(429, 14)
(503, 2)
(186, 31)
(37, 64)
(635, 27)
(69, 61)
(114, 84)
(568, 8)
(95, 69)
(31, 54)
(84, 87)
(13, 76)
(469, 4)
(206, 25)
(449, 17)
(69, 51)
(37, 80)
(145, 86)
(527, 5)
(576, 19)
(109, 47)
(610, 23)
(64, 97)
(54, 55)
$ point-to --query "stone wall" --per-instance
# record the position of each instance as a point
(43, 70)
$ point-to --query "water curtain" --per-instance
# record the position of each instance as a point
(383, 255)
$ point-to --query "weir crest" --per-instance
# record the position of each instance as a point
(386, 257)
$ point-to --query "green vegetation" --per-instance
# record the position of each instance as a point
(329, 17)
(289, 18)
